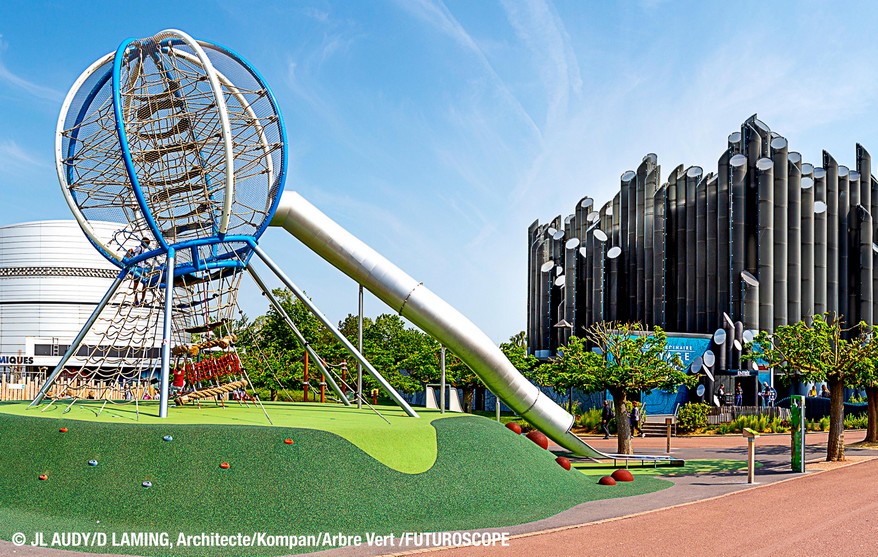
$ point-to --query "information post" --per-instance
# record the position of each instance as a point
(797, 430)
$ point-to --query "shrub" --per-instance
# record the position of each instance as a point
(590, 420)
(859, 421)
(692, 416)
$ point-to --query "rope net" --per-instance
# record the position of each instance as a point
(120, 359)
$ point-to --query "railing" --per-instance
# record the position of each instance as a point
(725, 414)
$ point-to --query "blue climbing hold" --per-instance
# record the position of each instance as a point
(168, 438)
(92, 462)
(147, 483)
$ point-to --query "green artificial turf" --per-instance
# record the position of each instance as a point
(405, 444)
(690, 468)
(484, 476)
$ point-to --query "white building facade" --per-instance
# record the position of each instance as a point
(51, 280)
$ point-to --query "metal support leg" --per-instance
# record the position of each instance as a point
(74, 346)
(442, 379)
(166, 334)
(360, 348)
(329, 325)
(276, 303)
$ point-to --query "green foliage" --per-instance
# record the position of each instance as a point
(818, 425)
(692, 416)
(760, 422)
(590, 420)
(856, 421)
(823, 350)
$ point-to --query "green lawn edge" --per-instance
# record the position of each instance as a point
(405, 444)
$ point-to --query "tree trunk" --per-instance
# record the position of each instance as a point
(623, 423)
(570, 400)
(835, 444)
(872, 428)
(273, 396)
(468, 393)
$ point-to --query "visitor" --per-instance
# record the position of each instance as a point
(634, 418)
(721, 394)
(824, 392)
(739, 395)
(140, 249)
(179, 381)
(813, 391)
(606, 416)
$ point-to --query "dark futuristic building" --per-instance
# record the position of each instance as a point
(766, 240)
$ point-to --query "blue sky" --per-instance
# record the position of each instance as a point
(437, 132)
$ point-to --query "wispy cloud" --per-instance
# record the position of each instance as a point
(14, 159)
(8, 77)
(436, 14)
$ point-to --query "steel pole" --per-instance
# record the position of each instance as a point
(302, 340)
(442, 379)
(360, 346)
(166, 333)
(334, 330)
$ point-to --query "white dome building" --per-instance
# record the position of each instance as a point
(51, 280)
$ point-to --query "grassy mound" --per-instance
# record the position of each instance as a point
(484, 476)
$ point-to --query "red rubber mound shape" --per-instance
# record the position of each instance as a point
(512, 426)
(288, 441)
(43, 477)
(607, 480)
(63, 430)
(539, 438)
(623, 475)
(224, 465)
(563, 462)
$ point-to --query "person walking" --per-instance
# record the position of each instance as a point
(634, 418)
(606, 416)
(739, 395)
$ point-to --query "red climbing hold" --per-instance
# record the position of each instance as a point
(539, 438)
(514, 427)
(63, 430)
(563, 462)
(607, 480)
(288, 441)
(622, 475)
(224, 465)
(43, 477)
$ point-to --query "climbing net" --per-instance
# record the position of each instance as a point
(120, 360)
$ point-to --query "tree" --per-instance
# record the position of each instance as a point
(869, 379)
(821, 351)
(627, 361)
(515, 351)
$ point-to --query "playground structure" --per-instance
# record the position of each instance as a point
(180, 143)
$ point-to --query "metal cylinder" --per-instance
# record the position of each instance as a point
(722, 235)
(637, 279)
(864, 264)
(735, 144)
(806, 247)
(843, 228)
(628, 264)
(795, 265)
(750, 300)
(648, 246)
(782, 228)
(765, 175)
(737, 245)
(680, 253)
(713, 314)
(693, 177)
(821, 242)
(659, 256)
(738, 344)
(832, 255)
(701, 257)
(626, 240)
